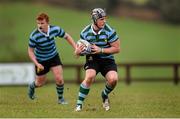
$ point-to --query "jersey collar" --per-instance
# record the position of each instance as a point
(45, 33)
(99, 32)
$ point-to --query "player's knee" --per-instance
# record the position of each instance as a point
(113, 80)
(89, 79)
(40, 82)
(59, 80)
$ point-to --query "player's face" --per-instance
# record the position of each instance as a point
(42, 25)
(101, 22)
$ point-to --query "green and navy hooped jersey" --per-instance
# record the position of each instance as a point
(44, 44)
(102, 39)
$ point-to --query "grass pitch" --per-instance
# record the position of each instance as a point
(137, 100)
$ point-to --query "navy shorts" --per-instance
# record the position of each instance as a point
(100, 65)
(55, 61)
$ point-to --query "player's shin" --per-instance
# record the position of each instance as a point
(31, 90)
(106, 91)
(83, 92)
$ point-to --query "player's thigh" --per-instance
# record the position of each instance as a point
(90, 75)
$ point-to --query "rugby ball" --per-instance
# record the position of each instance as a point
(87, 46)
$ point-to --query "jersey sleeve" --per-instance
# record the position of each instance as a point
(32, 43)
(82, 36)
(112, 36)
(61, 32)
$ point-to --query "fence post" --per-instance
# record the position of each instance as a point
(78, 78)
(176, 74)
(128, 78)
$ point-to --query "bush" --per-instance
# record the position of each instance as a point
(169, 9)
(90, 4)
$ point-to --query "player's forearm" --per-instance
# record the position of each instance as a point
(111, 50)
(115, 48)
(70, 40)
(32, 56)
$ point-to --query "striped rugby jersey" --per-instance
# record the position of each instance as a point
(102, 39)
(44, 44)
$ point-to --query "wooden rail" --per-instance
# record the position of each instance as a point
(128, 67)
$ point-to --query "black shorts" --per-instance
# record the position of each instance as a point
(100, 65)
(55, 61)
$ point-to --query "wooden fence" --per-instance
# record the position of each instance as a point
(128, 67)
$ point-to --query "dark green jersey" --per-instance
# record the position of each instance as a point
(102, 39)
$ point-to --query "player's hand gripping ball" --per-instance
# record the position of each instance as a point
(87, 47)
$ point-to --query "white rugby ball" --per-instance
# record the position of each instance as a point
(87, 46)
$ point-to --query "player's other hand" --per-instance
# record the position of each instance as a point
(79, 49)
(40, 67)
(95, 49)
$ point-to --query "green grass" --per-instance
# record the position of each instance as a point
(137, 100)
